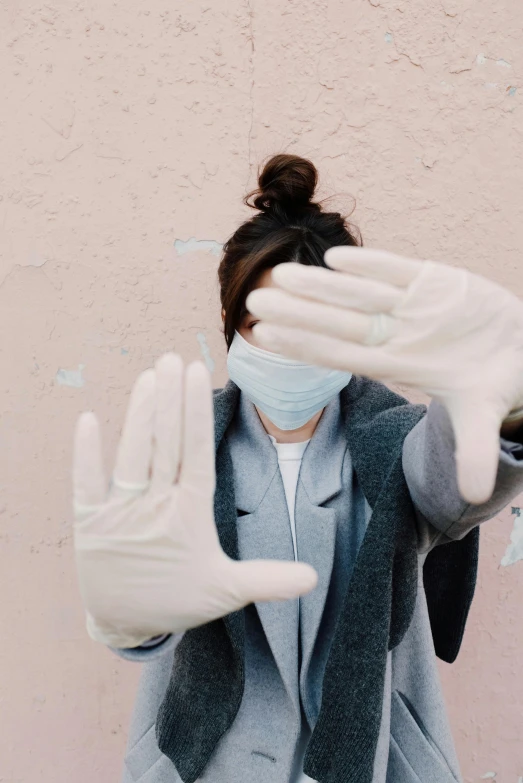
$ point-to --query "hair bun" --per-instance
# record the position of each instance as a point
(286, 182)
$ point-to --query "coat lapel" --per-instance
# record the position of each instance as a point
(320, 480)
(264, 531)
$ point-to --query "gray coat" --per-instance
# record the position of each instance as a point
(283, 673)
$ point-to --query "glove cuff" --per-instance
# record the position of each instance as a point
(112, 637)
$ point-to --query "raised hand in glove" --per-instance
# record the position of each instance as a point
(147, 551)
(445, 331)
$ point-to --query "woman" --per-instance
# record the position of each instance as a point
(257, 668)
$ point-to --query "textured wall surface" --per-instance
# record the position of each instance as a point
(129, 134)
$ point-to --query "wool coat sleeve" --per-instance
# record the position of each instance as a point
(155, 648)
(429, 466)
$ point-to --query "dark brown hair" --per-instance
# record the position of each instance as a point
(290, 226)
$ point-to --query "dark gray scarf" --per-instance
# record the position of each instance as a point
(207, 680)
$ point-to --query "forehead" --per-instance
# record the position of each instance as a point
(264, 280)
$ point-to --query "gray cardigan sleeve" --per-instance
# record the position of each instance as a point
(429, 466)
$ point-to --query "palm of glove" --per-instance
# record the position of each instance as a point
(148, 556)
(456, 334)
(144, 547)
(447, 332)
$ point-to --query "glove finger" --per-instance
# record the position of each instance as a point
(476, 426)
(89, 484)
(133, 460)
(197, 468)
(344, 290)
(167, 421)
(279, 307)
(272, 580)
(273, 305)
(324, 351)
(376, 264)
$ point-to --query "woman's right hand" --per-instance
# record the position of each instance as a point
(148, 556)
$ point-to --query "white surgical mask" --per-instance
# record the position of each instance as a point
(287, 391)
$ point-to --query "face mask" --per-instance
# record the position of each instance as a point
(287, 391)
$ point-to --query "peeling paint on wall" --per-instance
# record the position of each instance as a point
(36, 259)
(515, 548)
(193, 244)
(501, 63)
(209, 361)
(72, 378)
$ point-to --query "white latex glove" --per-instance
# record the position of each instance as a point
(148, 555)
(445, 331)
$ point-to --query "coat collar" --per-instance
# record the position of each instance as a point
(321, 470)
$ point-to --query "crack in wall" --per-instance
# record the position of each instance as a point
(251, 89)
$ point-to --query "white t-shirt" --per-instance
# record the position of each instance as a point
(289, 460)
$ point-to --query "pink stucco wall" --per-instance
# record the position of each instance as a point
(129, 133)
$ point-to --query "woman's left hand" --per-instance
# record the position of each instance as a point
(450, 333)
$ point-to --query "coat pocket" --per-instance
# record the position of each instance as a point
(414, 743)
(143, 754)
